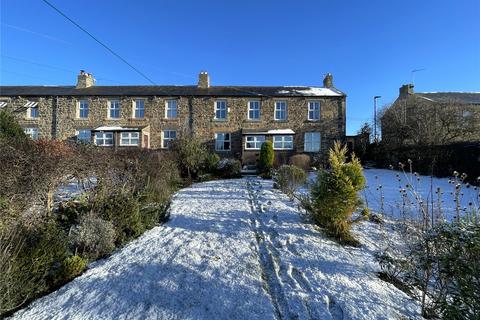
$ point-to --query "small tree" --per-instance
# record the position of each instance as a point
(334, 194)
(289, 178)
(265, 161)
(9, 127)
(191, 155)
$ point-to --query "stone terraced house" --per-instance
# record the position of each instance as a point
(234, 121)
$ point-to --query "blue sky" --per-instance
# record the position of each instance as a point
(370, 47)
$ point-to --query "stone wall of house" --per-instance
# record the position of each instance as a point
(194, 113)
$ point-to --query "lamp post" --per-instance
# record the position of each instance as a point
(375, 137)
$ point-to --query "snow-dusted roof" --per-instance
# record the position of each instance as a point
(310, 91)
(272, 132)
(281, 131)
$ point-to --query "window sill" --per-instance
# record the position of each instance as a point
(170, 119)
(112, 119)
(313, 120)
(137, 119)
(31, 119)
(81, 119)
(220, 120)
(253, 120)
(278, 120)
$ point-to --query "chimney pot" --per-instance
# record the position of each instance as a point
(203, 80)
(405, 90)
(328, 81)
(84, 80)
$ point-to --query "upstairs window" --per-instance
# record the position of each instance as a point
(221, 109)
(171, 109)
(254, 110)
(281, 110)
(314, 110)
(167, 137)
(33, 112)
(114, 109)
(84, 135)
(83, 109)
(104, 139)
(139, 109)
(31, 132)
(222, 141)
(312, 142)
(283, 142)
(129, 138)
(254, 142)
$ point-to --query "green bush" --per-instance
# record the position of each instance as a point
(211, 162)
(123, 211)
(153, 214)
(93, 237)
(71, 267)
(190, 154)
(289, 178)
(29, 270)
(70, 212)
(229, 168)
(9, 127)
(265, 161)
(334, 194)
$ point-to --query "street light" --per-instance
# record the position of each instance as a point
(375, 137)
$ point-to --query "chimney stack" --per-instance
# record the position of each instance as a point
(84, 80)
(328, 81)
(203, 80)
(405, 90)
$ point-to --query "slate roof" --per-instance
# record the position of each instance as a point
(222, 91)
(463, 97)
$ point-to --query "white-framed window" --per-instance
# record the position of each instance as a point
(171, 109)
(254, 110)
(129, 138)
(113, 109)
(312, 142)
(104, 139)
(167, 137)
(314, 110)
(280, 110)
(222, 141)
(139, 108)
(221, 109)
(31, 132)
(283, 142)
(33, 112)
(83, 109)
(84, 135)
(254, 142)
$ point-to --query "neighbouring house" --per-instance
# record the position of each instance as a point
(233, 121)
(431, 118)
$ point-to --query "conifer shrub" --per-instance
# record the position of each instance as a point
(153, 213)
(289, 178)
(334, 194)
(123, 210)
(265, 160)
(9, 127)
(71, 267)
(211, 163)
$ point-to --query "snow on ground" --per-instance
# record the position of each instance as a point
(233, 249)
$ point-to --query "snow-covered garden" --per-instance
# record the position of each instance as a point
(233, 249)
